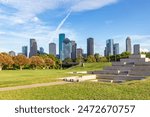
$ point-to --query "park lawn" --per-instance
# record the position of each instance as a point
(25, 77)
(90, 66)
(134, 90)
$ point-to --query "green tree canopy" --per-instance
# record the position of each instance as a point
(91, 59)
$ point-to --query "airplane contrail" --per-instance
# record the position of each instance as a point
(61, 24)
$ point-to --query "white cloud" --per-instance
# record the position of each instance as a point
(19, 21)
(26, 10)
(84, 5)
(2, 33)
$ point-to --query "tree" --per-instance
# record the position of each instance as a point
(147, 54)
(21, 61)
(67, 60)
(125, 55)
(91, 59)
(5, 60)
(49, 63)
(58, 64)
(103, 59)
(97, 57)
(79, 59)
(36, 61)
(2, 61)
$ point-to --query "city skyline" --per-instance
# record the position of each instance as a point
(70, 48)
(115, 19)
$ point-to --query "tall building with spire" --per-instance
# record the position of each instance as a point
(128, 45)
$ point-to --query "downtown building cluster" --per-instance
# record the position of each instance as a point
(113, 48)
(67, 48)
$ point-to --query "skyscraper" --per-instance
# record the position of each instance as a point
(128, 45)
(74, 48)
(137, 49)
(109, 47)
(116, 48)
(61, 39)
(66, 49)
(52, 49)
(105, 51)
(25, 50)
(90, 46)
(33, 48)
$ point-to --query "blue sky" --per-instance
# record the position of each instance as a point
(43, 20)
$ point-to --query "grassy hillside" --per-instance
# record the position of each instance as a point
(90, 66)
(137, 90)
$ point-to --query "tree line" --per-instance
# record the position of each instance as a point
(22, 62)
(46, 61)
(97, 58)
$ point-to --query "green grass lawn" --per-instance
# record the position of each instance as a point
(14, 78)
(17, 77)
(90, 67)
(139, 90)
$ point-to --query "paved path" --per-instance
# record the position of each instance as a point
(33, 86)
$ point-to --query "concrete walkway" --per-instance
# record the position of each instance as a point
(33, 86)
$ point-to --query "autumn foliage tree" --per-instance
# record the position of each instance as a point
(36, 61)
(5, 60)
(49, 63)
(1, 61)
(21, 61)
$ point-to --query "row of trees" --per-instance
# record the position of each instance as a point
(21, 61)
(98, 58)
(46, 61)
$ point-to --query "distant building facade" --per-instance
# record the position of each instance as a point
(52, 49)
(33, 48)
(74, 48)
(116, 49)
(12, 53)
(61, 39)
(90, 46)
(25, 50)
(79, 52)
(41, 51)
(66, 49)
(109, 49)
(137, 49)
(128, 45)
